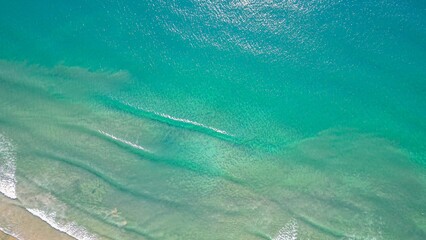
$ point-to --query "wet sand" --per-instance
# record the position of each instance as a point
(16, 219)
(4, 236)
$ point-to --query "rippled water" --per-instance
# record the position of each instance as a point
(188, 119)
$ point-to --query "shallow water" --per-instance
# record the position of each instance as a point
(215, 119)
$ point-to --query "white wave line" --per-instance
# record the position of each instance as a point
(192, 122)
(7, 168)
(182, 120)
(8, 232)
(124, 141)
(71, 228)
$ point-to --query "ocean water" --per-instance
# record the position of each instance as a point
(190, 119)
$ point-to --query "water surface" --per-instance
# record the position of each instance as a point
(189, 119)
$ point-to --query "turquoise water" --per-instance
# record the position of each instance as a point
(189, 119)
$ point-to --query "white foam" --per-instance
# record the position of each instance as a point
(288, 232)
(8, 232)
(69, 228)
(183, 120)
(124, 141)
(7, 168)
(193, 123)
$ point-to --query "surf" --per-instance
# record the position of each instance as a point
(7, 168)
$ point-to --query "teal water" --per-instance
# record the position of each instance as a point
(188, 119)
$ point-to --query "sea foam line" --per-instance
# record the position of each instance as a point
(193, 123)
(7, 168)
(124, 141)
(70, 228)
(168, 119)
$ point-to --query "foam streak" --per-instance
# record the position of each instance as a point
(192, 122)
(124, 141)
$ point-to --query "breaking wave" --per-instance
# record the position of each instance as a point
(7, 168)
(71, 229)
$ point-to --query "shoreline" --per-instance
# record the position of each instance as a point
(5, 236)
(16, 219)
